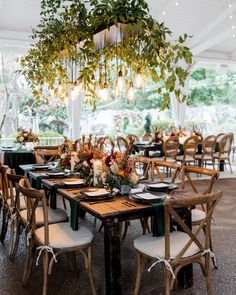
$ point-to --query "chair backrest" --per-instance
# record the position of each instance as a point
(5, 196)
(148, 137)
(164, 164)
(189, 171)
(190, 146)
(33, 197)
(132, 138)
(122, 144)
(45, 154)
(171, 147)
(208, 145)
(14, 190)
(219, 136)
(225, 144)
(209, 201)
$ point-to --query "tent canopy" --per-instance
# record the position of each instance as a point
(211, 23)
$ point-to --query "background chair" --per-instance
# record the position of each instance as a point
(54, 238)
(225, 147)
(45, 154)
(178, 248)
(147, 137)
(122, 143)
(189, 149)
(171, 148)
(164, 165)
(198, 214)
(208, 149)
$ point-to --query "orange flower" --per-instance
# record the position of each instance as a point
(121, 173)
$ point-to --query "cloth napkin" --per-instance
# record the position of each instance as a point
(75, 213)
(158, 222)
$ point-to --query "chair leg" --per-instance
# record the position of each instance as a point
(15, 242)
(12, 236)
(90, 273)
(140, 266)
(167, 281)
(4, 223)
(230, 166)
(28, 265)
(208, 274)
(45, 272)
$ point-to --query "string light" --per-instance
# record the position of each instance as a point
(131, 91)
(120, 81)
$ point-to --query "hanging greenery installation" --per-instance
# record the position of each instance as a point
(73, 50)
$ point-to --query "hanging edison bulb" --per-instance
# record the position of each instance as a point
(131, 91)
(139, 80)
(120, 81)
(117, 90)
(104, 92)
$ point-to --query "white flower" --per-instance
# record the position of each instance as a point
(133, 177)
(63, 156)
(85, 164)
(114, 168)
(103, 176)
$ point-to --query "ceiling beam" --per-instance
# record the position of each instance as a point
(15, 39)
(214, 24)
(211, 42)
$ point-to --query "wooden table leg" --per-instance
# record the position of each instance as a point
(112, 257)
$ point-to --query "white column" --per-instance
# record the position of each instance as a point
(74, 109)
(179, 110)
(76, 116)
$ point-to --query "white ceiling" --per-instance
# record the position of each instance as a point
(212, 23)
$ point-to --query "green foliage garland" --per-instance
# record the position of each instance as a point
(64, 24)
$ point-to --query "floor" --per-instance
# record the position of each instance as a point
(63, 281)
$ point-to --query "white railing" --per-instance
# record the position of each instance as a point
(43, 141)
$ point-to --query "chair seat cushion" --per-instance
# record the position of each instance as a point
(198, 215)
(57, 215)
(187, 158)
(205, 157)
(155, 246)
(61, 235)
(222, 156)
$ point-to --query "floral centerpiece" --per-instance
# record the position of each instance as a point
(88, 152)
(24, 136)
(117, 171)
(65, 151)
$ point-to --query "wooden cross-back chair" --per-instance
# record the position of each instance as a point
(45, 154)
(19, 212)
(18, 203)
(52, 238)
(187, 174)
(7, 203)
(157, 164)
(179, 248)
(225, 147)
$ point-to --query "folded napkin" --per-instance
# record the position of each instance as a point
(75, 213)
(158, 221)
